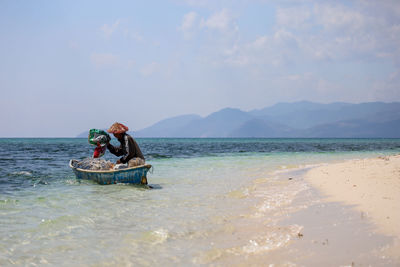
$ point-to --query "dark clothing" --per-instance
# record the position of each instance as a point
(128, 149)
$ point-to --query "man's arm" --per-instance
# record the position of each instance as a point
(117, 151)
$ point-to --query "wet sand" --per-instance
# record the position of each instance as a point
(293, 224)
(371, 188)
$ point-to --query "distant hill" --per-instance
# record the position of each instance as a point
(169, 127)
(303, 115)
(356, 129)
(298, 119)
(217, 124)
(259, 127)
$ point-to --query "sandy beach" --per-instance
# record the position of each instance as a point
(371, 186)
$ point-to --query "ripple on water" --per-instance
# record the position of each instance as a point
(21, 173)
(155, 237)
(276, 238)
(272, 238)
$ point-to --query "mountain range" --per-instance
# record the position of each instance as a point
(298, 119)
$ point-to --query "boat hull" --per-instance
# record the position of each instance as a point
(133, 175)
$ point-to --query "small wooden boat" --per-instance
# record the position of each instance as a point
(133, 175)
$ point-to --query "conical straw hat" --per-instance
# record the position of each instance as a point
(117, 128)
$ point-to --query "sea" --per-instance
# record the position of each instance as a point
(209, 202)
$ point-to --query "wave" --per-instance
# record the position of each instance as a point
(21, 173)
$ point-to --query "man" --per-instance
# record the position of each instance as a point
(129, 149)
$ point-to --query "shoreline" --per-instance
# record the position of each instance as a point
(370, 186)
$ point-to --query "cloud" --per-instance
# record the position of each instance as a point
(101, 60)
(331, 31)
(387, 89)
(133, 35)
(308, 34)
(280, 49)
(150, 69)
(198, 3)
(311, 86)
(260, 42)
(293, 17)
(108, 30)
(340, 18)
(218, 21)
(73, 45)
(188, 23)
(285, 38)
(388, 9)
(356, 32)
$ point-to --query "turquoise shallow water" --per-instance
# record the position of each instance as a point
(209, 200)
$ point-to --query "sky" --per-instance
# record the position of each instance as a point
(68, 66)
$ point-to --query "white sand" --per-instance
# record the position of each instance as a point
(371, 185)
